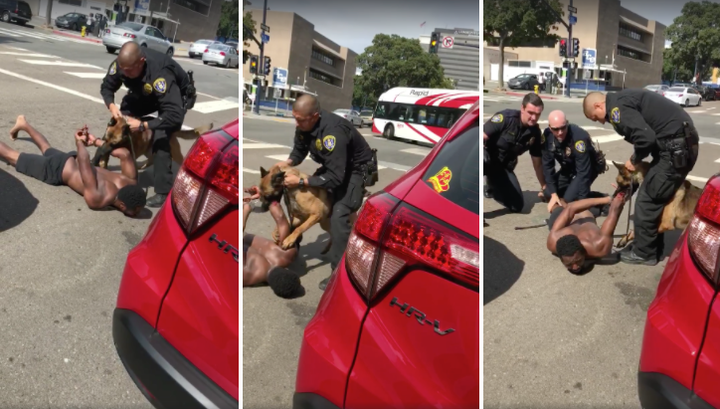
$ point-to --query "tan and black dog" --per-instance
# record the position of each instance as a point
(677, 213)
(118, 134)
(308, 205)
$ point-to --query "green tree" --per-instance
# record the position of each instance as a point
(394, 61)
(248, 32)
(512, 23)
(695, 34)
(228, 26)
(672, 72)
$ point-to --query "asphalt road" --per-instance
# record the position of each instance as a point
(553, 339)
(61, 262)
(273, 327)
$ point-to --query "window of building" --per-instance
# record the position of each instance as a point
(324, 78)
(323, 57)
(77, 3)
(635, 55)
(629, 33)
(194, 5)
(518, 63)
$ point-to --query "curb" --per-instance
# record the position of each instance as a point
(63, 33)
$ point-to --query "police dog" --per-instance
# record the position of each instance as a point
(308, 205)
(677, 213)
(118, 134)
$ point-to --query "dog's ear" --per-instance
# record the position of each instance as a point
(112, 122)
(620, 166)
(278, 178)
(263, 172)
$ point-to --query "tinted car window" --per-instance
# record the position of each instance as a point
(131, 26)
(24, 7)
(461, 156)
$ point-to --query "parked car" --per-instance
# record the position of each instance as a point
(234, 44)
(198, 47)
(523, 81)
(680, 355)
(351, 115)
(175, 325)
(686, 96)
(715, 89)
(707, 93)
(143, 34)
(16, 11)
(658, 88)
(221, 54)
(71, 21)
(398, 325)
(367, 117)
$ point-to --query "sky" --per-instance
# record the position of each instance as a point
(353, 24)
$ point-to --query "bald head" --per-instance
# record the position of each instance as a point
(594, 107)
(306, 105)
(129, 54)
(556, 119)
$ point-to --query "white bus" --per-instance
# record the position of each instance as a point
(420, 114)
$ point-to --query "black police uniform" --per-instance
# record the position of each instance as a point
(345, 156)
(165, 87)
(577, 158)
(659, 127)
(507, 139)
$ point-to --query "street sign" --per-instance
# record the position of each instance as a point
(572, 9)
(264, 27)
(573, 20)
(586, 74)
(447, 42)
(280, 76)
(265, 38)
(277, 93)
(589, 58)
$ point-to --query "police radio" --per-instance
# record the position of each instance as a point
(372, 170)
(190, 94)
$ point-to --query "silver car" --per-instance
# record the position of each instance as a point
(197, 49)
(143, 34)
(657, 88)
(221, 54)
(350, 115)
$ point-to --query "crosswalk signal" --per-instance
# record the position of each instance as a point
(434, 43)
(576, 47)
(267, 65)
(253, 64)
(563, 47)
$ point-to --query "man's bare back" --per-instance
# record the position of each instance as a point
(99, 187)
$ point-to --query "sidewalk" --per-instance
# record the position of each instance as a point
(575, 94)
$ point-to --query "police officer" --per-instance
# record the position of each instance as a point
(570, 146)
(507, 135)
(655, 126)
(345, 156)
(155, 82)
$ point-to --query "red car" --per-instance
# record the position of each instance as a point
(680, 358)
(398, 324)
(175, 326)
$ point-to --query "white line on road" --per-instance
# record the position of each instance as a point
(214, 106)
(60, 63)
(246, 170)
(697, 179)
(263, 146)
(96, 75)
(607, 138)
(381, 165)
(207, 95)
(19, 54)
(278, 158)
(417, 151)
(53, 86)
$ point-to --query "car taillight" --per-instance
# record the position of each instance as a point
(129, 35)
(222, 53)
(680, 95)
(107, 31)
(704, 230)
(207, 183)
(206, 50)
(387, 238)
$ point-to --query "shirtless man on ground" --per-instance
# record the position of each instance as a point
(99, 187)
(265, 261)
(575, 235)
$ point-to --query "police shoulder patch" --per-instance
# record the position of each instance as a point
(160, 85)
(615, 115)
(580, 146)
(113, 68)
(497, 118)
(329, 142)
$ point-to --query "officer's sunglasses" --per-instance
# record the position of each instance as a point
(560, 128)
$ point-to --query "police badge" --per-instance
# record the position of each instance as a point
(147, 89)
(568, 151)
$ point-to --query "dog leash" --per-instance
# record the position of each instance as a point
(535, 226)
(286, 199)
(627, 228)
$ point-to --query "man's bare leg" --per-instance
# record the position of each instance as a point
(8, 154)
(22, 125)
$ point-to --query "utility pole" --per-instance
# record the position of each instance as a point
(261, 61)
(570, 50)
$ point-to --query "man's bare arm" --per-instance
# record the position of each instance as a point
(247, 209)
(92, 195)
(567, 215)
(127, 163)
(608, 227)
(537, 165)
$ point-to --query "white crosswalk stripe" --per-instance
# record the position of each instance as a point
(17, 33)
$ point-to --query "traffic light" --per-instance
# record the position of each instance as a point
(267, 65)
(576, 47)
(563, 47)
(253, 64)
(434, 43)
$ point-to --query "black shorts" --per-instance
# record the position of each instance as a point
(47, 167)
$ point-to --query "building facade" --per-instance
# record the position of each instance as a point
(182, 20)
(628, 48)
(460, 61)
(315, 64)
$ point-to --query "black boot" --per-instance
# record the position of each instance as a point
(488, 192)
(324, 283)
(630, 257)
(157, 200)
